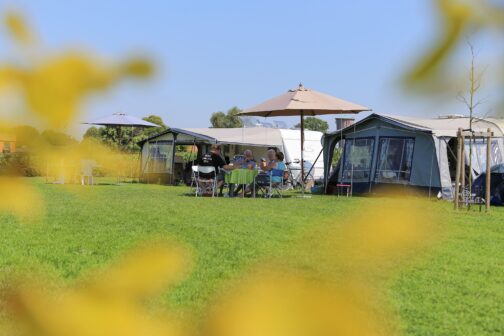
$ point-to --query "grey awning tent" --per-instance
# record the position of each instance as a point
(422, 147)
(259, 139)
(160, 148)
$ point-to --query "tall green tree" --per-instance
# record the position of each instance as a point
(56, 138)
(226, 120)
(92, 132)
(26, 135)
(147, 132)
(314, 124)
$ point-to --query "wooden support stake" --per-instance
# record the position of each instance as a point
(462, 167)
(488, 172)
(457, 174)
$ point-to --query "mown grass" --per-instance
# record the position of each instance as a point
(458, 289)
(454, 288)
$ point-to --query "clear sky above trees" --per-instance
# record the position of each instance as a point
(214, 55)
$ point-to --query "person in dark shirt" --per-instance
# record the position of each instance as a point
(213, 159)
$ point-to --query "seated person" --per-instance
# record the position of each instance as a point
(270, 163)
(275, 162)
(213, 159)
(248, 161)
(280, 165)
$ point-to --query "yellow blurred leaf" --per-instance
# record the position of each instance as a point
(56, 87)
(289, 305)
(18, 28)
(108, 307)
(19, 198)
(138, 67)
(144, 272)
(456, 16)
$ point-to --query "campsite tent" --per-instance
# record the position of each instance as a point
(405, 151)
(496, 185)
(159, 162)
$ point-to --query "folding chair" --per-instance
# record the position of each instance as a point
(276, 186)
(205, 185)
(262, 184)
(194, 177)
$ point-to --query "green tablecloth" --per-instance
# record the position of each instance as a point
(241, 176)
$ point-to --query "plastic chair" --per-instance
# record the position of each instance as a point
(194, 177)
(87, 167)
(204, 185)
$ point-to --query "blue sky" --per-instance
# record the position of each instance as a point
(213, 55)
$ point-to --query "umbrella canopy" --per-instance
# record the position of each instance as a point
(121, 119)
(302, 101)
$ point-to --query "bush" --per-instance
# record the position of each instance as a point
(17, 163)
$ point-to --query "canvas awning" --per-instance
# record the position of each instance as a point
(448, 126)
(255, 136)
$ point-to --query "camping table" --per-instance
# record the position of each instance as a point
(241, 176)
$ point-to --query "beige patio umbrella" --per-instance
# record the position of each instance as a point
(303, 102)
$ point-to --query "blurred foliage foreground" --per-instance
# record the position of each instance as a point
(114, 301)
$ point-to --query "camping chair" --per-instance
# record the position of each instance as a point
(263, 183)
(276, 186)
(194, 177)
(205, 185)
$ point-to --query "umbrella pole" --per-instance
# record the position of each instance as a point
(302, 156)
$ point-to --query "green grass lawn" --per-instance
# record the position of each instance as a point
(454, 288)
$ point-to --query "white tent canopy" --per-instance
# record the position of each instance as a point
(255, 136)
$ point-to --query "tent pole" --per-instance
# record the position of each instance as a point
(302, 150)
(458, 169)
(488, 171)
(430, 173)
(351, 155)
(192, 151)
(173, 158)
(462, 168)
(313, 166)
